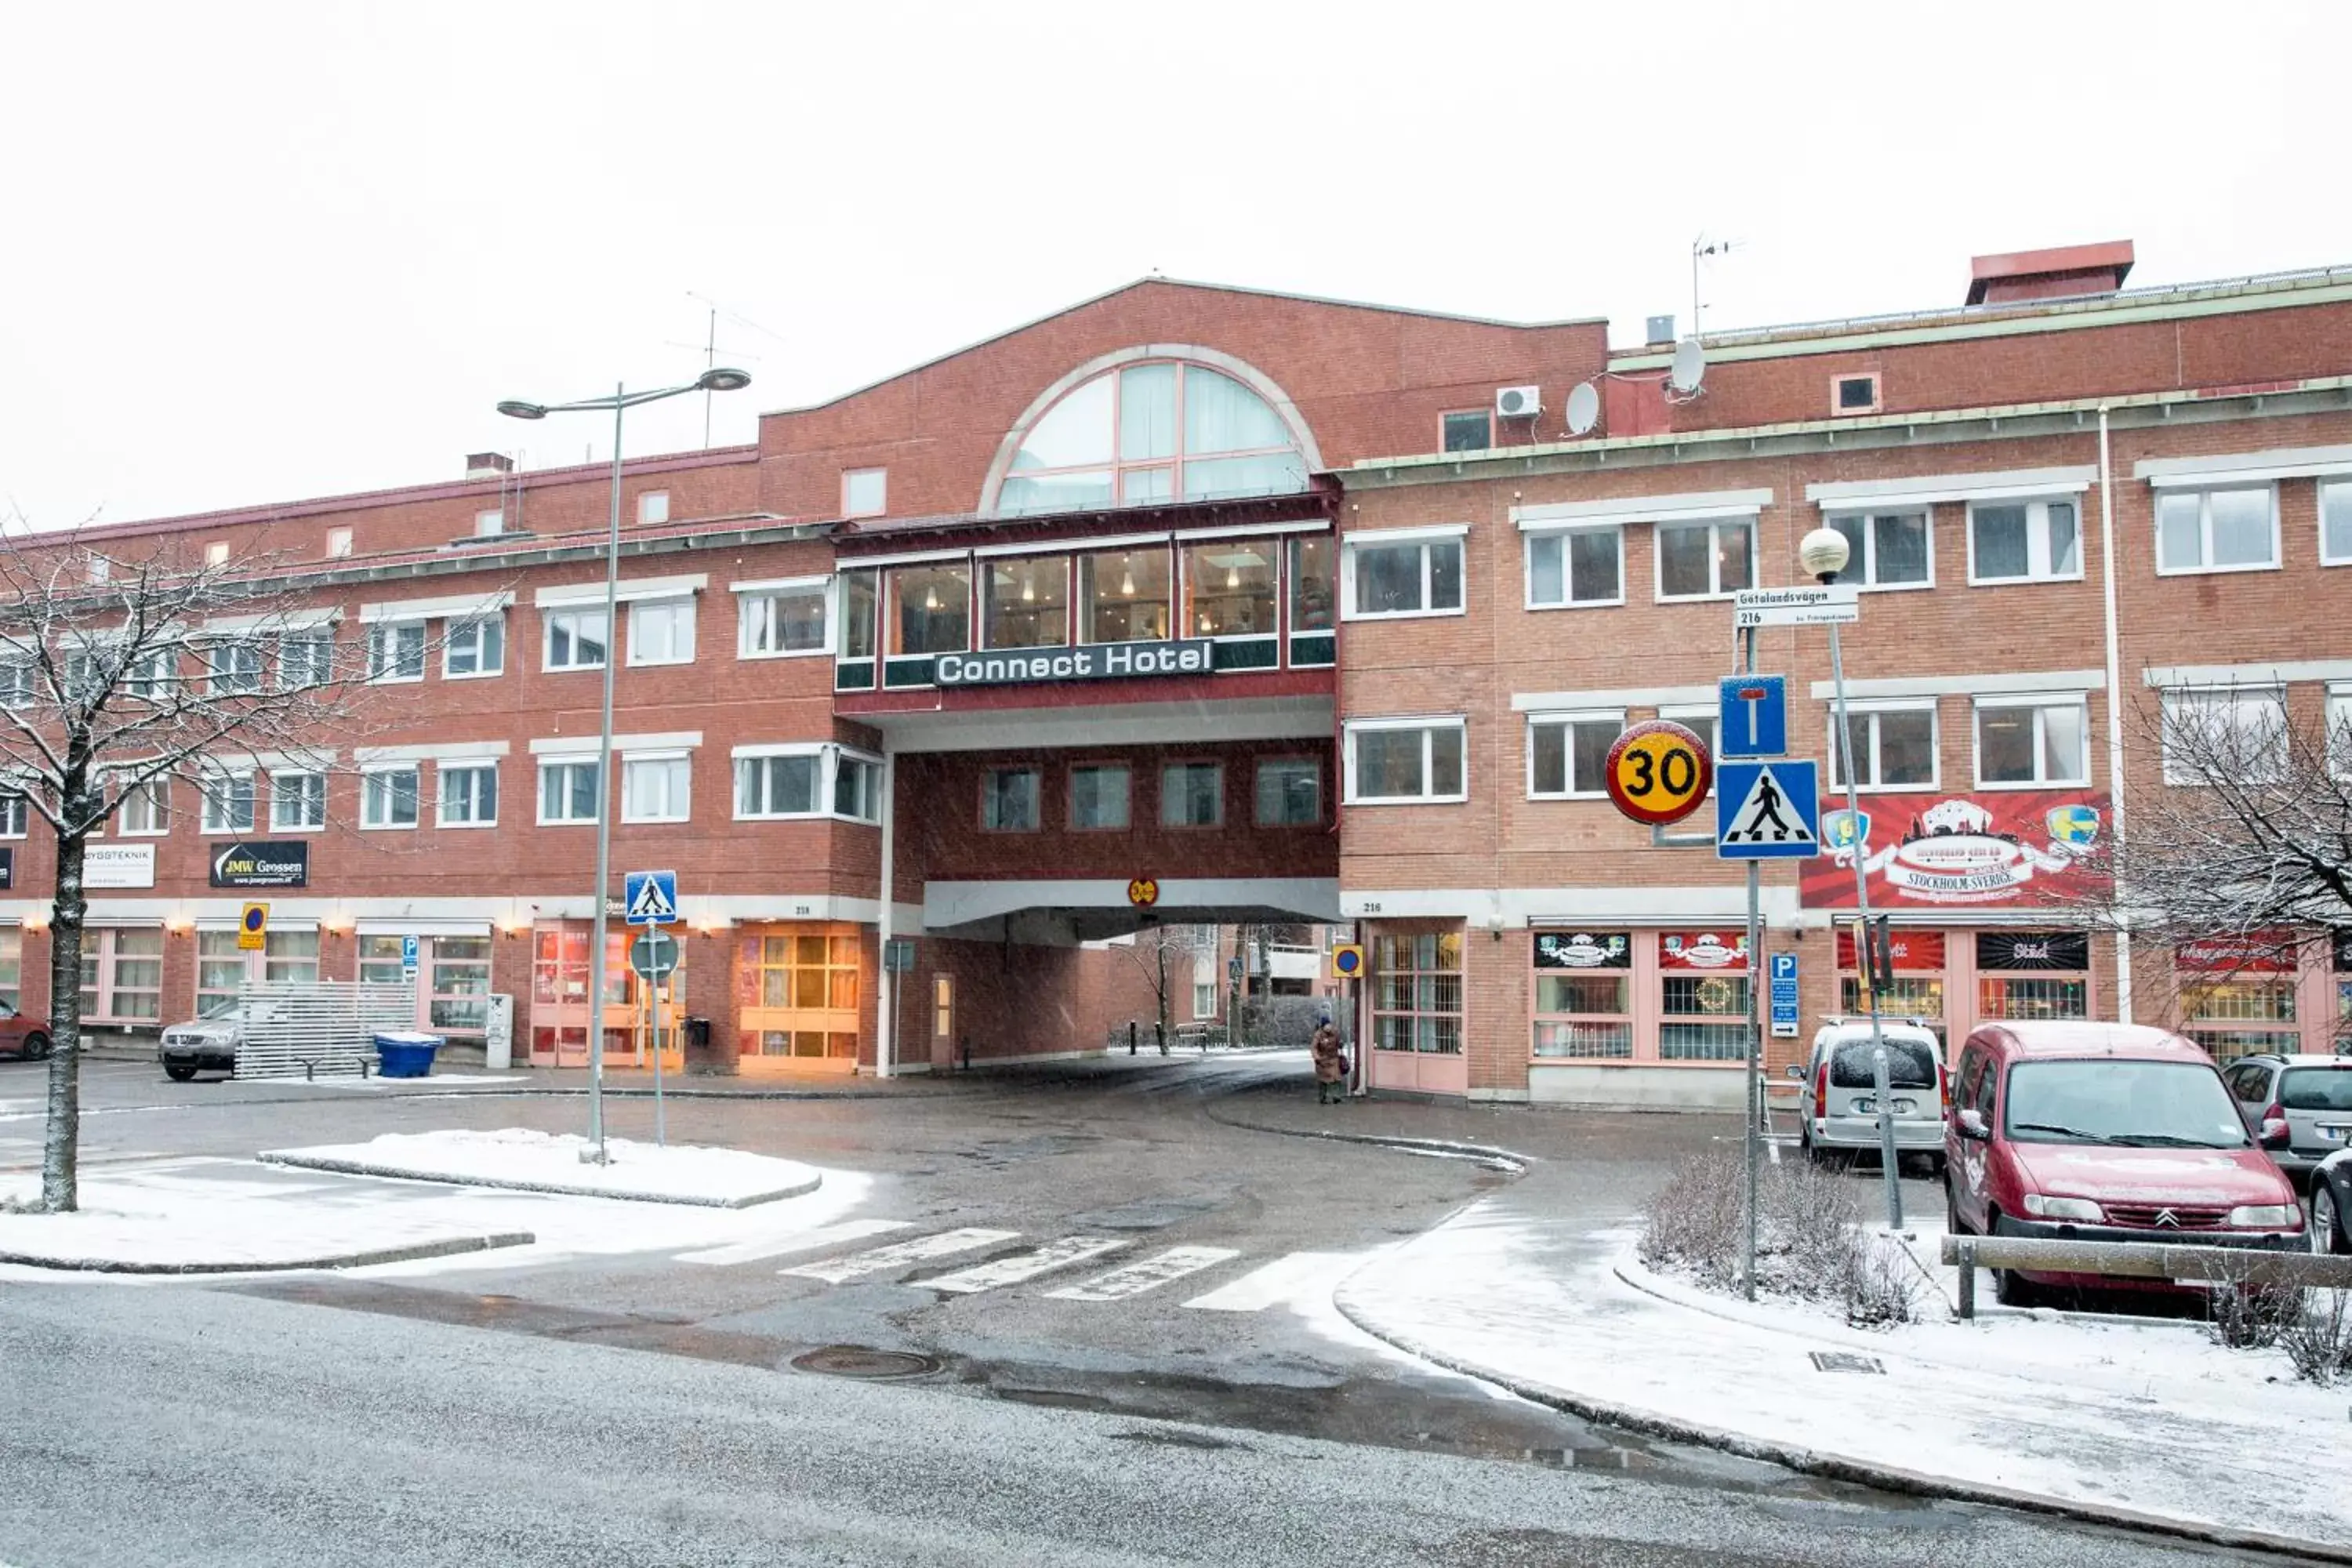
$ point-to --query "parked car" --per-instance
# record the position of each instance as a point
(2331, 1203)
(2308, 1095)
(204, 1044)
(2105, 1132)
(1840, 1105)
(23, 1037)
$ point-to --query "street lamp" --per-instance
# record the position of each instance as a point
(1824, 553)
(719, 379)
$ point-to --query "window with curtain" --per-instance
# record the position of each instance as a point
(1155, 431)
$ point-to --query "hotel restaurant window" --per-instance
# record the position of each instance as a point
(1314, 576)
(931, 608)
(858, 614)
(1231, 588)
(1123, 595)
(1028, 602)
(1156, 431)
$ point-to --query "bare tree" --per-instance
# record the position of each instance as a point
(120, 672)
(2240, 849)
(1149, 952)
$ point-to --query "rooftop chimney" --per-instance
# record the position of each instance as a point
(2071, 271)
(488, 465)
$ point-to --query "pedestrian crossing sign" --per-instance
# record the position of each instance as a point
(650, 898)
(1767, 811)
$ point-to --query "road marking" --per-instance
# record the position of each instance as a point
(900, 1255)
(1145, 1274)
(1021, 1266)
(1279, 1280)
(800, 1241)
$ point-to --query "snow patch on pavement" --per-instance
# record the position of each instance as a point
(524, 1160)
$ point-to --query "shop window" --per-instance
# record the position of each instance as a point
(469, 795)
(476, 647)
(1583, 986)
(1392, 761)
(2020, 743)
(1123, 595)
(12, 965)
(2025, 542)
(1153, 432)
(2217, 529)
(290, 955)
(305, 659)
(298, 802)
(1191, 794)
(1472, 430)
(1232, 588)
(1028, 602)
(656, 786)
(396, 651)
(1417, 993)
(790, 618)
(123, 975)
(381, 959)
(2237, 996)
(1289, 793)
(2033, 974)
(1706, 560)
(388, 797)
(1897, 747)
(931, 608)
(1312, 578)
(220, 970)
(1008, 799)
(2218, 736)
(1576, 567)
(1886, 550)
(1402, 575)
(1917, 989)
(810, 974)
(1567, 753)
(458, 1000)
(1098, 796)
(575, 639)
(1703, 996)
(569, 791)
(661, 631)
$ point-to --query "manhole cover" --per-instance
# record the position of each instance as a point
(1841, 1361)
(863, 1360)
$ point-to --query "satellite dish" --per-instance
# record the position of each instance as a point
(1584, 409)
(1690, 366)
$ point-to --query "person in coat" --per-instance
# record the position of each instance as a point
(1330, 1065)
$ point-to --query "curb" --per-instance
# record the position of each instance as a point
(1486, 1154)
(562, 1189)
(1832, 1467)
(340, 1260)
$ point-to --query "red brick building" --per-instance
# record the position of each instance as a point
(1201, 606)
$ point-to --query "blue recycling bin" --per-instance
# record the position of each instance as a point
(406, 1055)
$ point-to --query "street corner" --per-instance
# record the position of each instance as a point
(515, 1159)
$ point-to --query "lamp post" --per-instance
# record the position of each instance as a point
(1824, 553)
(717, 379)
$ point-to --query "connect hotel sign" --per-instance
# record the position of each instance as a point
(1102, 661)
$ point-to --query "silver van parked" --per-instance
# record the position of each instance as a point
(1840, 1090)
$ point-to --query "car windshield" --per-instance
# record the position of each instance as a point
(216, 1007)
(1910, 1064)
(2316, 1088)
(2173, 1105)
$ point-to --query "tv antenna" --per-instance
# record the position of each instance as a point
(710, 347)
(1701, 248)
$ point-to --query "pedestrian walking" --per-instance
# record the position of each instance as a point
(1330, 1065)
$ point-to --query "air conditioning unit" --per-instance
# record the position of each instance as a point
(1518, 401)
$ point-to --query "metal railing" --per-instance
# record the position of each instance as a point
(2142, 1260)
(312, 1027)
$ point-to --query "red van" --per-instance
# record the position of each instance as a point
(2104, 1132)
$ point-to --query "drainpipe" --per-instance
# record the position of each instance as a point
(886, 1034)
(2114, 717)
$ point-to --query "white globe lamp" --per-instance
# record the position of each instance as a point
(1823, 553)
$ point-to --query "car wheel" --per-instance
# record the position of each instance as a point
(37, 1047)
(179, 1072)
(2008, 1287)
(2327, 1233)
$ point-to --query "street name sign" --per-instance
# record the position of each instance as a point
(1769, 811)
(1803, 604)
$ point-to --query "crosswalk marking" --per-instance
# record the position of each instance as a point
(1145, 1274)
(1277, 1281)
(1021, 1266)
(900, 1255)
(823, 1237)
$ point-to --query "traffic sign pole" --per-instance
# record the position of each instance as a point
(1880, 1078)
(660, 1130)
(1753, 1146)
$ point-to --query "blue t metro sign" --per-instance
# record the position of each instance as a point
(1752, 716)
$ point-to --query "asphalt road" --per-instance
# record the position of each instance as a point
(645, 1409)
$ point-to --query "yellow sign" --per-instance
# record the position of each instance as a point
(1143, 892)
(253, 928)
(1658, 773)
(1346, 960)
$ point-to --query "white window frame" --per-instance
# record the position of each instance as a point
(2339, 731)
(2041, 704)
(15, 814)
(318, 636)
(1865, 733)
(831, 782)
(2037, 540)
(384, 634)
(680, 810)
(2274, 697)
(490, 523)
(653, 508)
(1204, 988)
(370, 793)
(2204, 494)
(1454, 534)
(248, 646)
(748, 593)
(446, 773)
(209, 820)
(569, 760)
(339, 543)
(1560, 535)
(829, 758)
(881, 504)
(1713, 556)
(686, 606)
(277, 777)
(457, 629)
(1568, 718)
(1703, 722)
(1864, 574)
(1168, 799)
(1429, 725)
(570, 617)
(158, 791)
(2343, 484)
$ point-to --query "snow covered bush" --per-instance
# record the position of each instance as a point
(2317, 1338)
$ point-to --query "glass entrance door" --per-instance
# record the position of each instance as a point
(559, 996)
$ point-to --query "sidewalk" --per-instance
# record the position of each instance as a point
(2131, 1423)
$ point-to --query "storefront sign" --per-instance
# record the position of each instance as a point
(1918, 951)
(117, 866)
(2059, 949)
(1704, 950)
(1103, 661)
(1584, 950)
(2341, 939)
(7, 868)
(2258, 953)
(1993, 849)
(262, 864)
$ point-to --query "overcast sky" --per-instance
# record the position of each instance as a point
(260, 253)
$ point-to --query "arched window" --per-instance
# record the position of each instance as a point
(1152, 430)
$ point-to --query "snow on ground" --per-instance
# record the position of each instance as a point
(2135, 1416)
(525, 1161)
(378, 1082)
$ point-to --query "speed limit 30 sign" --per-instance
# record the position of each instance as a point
(1658, 772)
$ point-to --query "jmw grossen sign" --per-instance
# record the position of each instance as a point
(1102, 661)
(252, 863)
